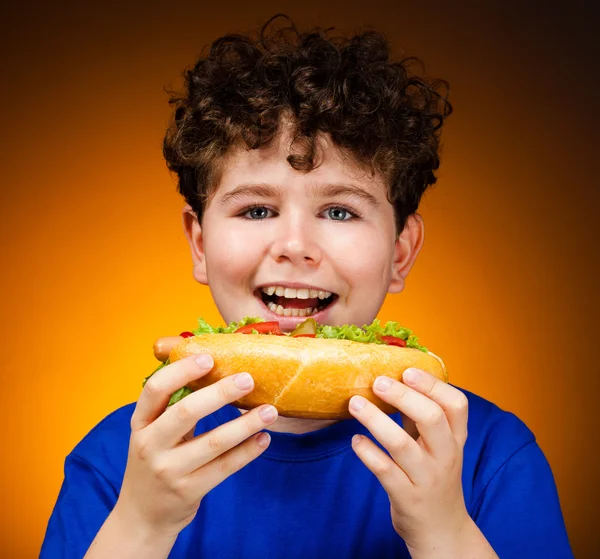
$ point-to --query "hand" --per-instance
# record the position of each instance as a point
(168, 470)
(422, 477)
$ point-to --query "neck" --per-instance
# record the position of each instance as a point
(297, 426)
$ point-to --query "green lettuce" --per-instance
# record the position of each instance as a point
(205, 328)
(347, 332)
(371, 333)
(179, 395)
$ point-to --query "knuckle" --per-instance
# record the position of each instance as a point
(223, 390)
(216, 444)
(435, 417)
(180, 488)
(226, 466)
(461, 404)
(382, 467)
(153, 387)
(399, 445)
(140, 447)
(161, 470)
(183, 412)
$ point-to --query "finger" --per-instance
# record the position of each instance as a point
(163, 346)
(207, 447)
(428, 415)
(403, 449)
(454, 403)
(230, 462)
(157, 391)
(176, 421)
(393, 479)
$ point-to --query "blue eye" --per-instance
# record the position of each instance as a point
(256, 213)
(336, 213)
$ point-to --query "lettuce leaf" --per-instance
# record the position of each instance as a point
(205, 328)
(392, 328)
(371, 333)
(347, 332)
(179, 395)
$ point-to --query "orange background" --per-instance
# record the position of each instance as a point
(95, 264)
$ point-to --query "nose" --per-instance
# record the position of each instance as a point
(296, 242)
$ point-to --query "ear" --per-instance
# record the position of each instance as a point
(407, 247)
(193, 233)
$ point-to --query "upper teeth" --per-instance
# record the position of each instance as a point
(291, 293)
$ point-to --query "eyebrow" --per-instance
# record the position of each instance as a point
(264, 190)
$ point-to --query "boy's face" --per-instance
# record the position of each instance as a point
(329, 230)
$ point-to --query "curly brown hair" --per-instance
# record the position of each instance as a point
(374, 110)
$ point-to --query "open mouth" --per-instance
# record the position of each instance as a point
(288, 301)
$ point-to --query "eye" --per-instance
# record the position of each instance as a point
(256, 213)
(338, 213)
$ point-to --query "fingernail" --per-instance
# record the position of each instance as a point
(268, 414)
(263, 440)
(357, 403)
(412, 376)
(204, 360)
(382, 383)
(243, 381)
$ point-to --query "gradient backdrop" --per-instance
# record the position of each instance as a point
(95, 265)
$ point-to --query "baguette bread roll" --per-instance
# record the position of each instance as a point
(310, 378)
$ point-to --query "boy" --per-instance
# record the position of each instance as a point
(302, 160)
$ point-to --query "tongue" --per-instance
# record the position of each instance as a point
(297, 303)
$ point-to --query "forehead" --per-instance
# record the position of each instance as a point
(269, 165)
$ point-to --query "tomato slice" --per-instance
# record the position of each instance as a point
(261, 328)
(187, 335)
(305, 336)
(392, 340)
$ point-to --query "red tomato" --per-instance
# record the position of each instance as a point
(392, 340)
(187, 335)
(305, 336)
(261, 328)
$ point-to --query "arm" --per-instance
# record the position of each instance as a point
(122, 538)
(467, 542)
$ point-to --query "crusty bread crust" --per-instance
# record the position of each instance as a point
(310, 378)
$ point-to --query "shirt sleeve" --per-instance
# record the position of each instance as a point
(519, 510)
(85, 500)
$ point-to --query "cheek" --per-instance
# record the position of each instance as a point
(230, 256)
(364, 260)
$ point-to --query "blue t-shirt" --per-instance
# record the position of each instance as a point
(309, 495)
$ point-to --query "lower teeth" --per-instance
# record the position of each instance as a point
(278, 309)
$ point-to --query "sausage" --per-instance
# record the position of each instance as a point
(163, 346)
